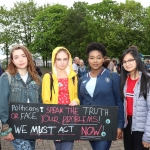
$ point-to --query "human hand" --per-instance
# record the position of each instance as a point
(119, 134)
(78, 141)
(145, 144)
(9, 137)
(73, 103)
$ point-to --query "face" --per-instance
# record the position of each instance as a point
(95, 59)
(61, 60)
(129, 63)
(81, 63)
(20, 59)
(77, 60)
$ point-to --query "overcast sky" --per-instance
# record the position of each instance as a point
(9, 3)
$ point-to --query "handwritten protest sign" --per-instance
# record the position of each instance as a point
(63, 122)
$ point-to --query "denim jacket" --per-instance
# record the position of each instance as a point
(17, 91)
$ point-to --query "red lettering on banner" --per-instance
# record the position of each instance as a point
(72, 110)
(46, 118)
(54, 110)
(85, 131)
(14, 116)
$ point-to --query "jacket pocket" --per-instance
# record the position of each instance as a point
(15, 94)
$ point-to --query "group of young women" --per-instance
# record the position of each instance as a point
(98, 87)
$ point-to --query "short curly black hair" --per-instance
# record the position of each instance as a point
(96, 46)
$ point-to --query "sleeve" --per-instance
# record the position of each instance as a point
(46, 89)
(4, 98)
(40, 92)
(79, 94)
(74, 67)
(146, 135)
(118, 100)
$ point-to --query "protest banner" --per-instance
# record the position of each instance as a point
(63, 122)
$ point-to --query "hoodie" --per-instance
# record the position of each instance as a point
(72, 85)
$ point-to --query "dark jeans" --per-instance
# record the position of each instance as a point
(100, 145)
(63, 145)
(133, 140)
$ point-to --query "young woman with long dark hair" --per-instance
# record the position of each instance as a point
(135, 90)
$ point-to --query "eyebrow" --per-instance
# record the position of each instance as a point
(18, 55)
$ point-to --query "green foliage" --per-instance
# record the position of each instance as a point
(43, 28)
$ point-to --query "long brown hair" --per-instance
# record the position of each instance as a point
(12, 69)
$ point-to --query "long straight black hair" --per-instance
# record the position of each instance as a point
(145, 79)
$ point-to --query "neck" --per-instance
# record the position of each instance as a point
(61, 74)
(134, 75)
(22, 72)
(94, 73)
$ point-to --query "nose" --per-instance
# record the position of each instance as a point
(62, 62)
(95, 59)
(20, 58)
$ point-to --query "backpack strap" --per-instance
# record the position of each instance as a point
(51, 85)
(73, 79)
(9, 77)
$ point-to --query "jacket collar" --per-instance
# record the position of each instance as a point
(140, 73)
(101, 72)
(18, 77)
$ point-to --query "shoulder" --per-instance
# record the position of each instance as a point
(4, 75)
(4, 79)
(83, 77)
(112, 74)
(46, 76)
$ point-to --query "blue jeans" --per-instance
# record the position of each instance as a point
(100, 145)
(22, 144)
(63, 145)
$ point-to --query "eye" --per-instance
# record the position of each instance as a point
(58, 59)
(91, 58)
(130, 60)
(15, 57)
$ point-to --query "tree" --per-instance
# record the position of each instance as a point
(23, 15)
(6, 34)
(47, 29)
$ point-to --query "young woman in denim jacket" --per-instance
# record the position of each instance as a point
(24, 86)
(97, 88)
(135, 89)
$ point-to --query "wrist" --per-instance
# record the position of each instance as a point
(4, 133)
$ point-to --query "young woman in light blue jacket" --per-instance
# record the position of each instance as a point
(20, 84)
(135, 89)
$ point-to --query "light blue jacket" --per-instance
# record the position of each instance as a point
(17, 91)
(141, 112)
